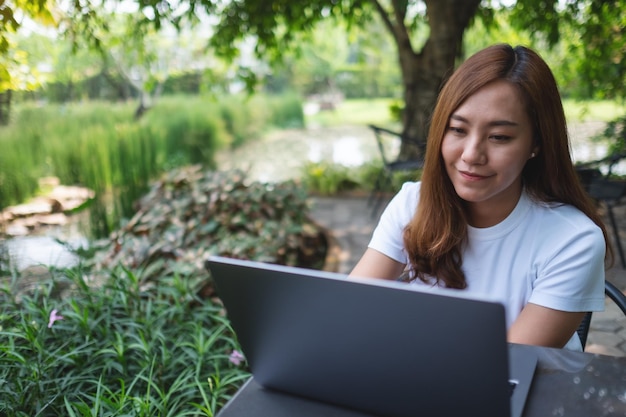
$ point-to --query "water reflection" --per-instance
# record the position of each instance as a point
(283, 154)
(349, 151)
(45, 247)
(25, 251)
(54, 245)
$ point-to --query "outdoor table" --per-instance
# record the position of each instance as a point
(566, 383)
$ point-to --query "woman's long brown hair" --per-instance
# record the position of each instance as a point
(435, 236)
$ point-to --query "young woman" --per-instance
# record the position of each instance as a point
(499, 210)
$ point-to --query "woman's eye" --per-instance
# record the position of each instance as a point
(500, 138)
(457, 130)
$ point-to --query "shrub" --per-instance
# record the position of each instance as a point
(326, 178)
(190, 213)
(615, 134)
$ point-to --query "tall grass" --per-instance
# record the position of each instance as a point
(101, 146)
(120, 349)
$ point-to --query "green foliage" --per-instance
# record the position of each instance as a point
(190, 129)
(600, 47)
(355, 112)
(120, 349)
(615, 134)
(335, 58)
(142, 331)
(191, 213)
(284, 111)
(238, 119)
(187, 82)
(328, 179)
(101, 146)
(538, 16)
(591, 36)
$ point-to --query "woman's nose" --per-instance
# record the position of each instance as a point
(474, 151)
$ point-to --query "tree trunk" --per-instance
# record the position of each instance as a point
(5, 107)
(423, 72)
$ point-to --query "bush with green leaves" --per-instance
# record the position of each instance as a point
(615, 134)
(326, 178)
(191, 213)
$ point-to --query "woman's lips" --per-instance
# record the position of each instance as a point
(471, 176)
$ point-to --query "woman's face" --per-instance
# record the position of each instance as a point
(487, 142)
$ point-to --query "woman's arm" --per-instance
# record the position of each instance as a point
(543, 326)
(374, 264)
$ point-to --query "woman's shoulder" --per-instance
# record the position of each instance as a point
(411, 187)
(563, 233)
(402, 206)
(409, 195)
(564, 217)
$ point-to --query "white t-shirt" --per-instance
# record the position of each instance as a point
(547, 254)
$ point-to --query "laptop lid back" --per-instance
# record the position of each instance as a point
(382, 347)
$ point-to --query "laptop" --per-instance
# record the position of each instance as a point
(381, 347)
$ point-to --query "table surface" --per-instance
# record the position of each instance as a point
(566, 383)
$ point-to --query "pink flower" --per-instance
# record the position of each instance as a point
(54, 317)
(236, 357)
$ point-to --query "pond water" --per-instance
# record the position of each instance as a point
(50, 246)
(280, 156)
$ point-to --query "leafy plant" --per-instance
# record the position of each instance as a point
(615, 133)
(326, 178)
(115, 349)
(190, 213)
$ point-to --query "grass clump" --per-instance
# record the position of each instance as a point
(119, 349)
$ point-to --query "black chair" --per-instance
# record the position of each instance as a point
(604, 189)
(392, 164)
(614, 294)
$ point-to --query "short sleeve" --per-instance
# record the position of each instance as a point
(572, 276)
(387, 237)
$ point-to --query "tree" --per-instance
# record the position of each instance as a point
(424, 62)
(423, 65)
(599, 38)
(142, 57)
(12, 76)
(273, 24)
